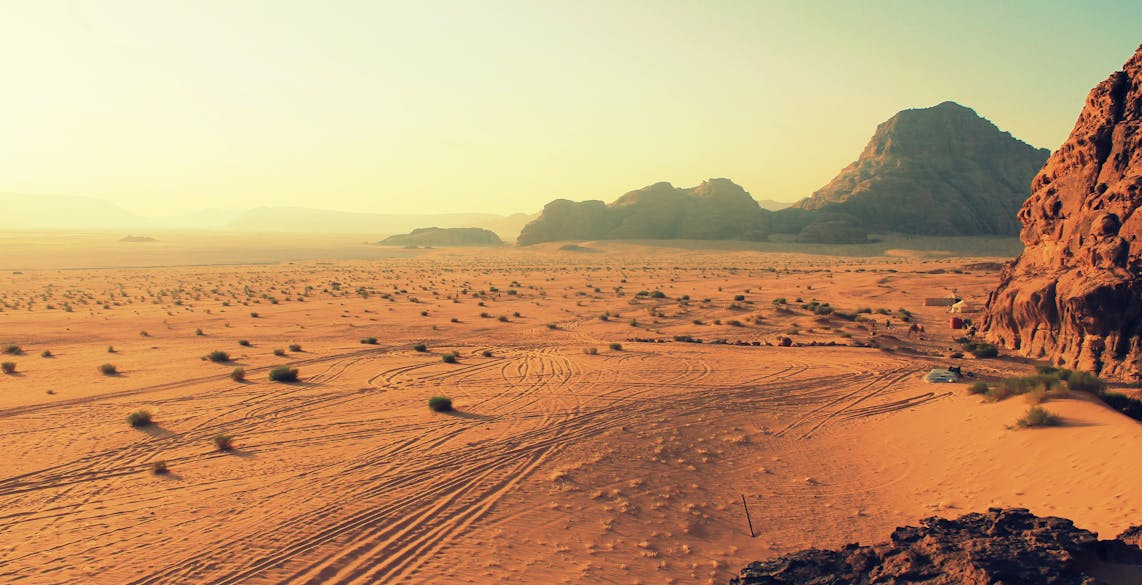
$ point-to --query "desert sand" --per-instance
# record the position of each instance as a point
(566, 459)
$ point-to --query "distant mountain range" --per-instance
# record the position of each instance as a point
(942, 170)
(25, 212)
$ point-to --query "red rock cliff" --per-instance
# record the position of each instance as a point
(1074, 296)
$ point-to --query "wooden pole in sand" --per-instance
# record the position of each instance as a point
(747, 519)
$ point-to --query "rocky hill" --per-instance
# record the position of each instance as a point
(942, 170)
(1009, 546)
(434, 236)
(718, 209)
(1074, 296)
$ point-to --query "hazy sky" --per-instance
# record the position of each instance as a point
(502, 105)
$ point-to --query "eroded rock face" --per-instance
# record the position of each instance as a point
(1010, 546)
(718, 209)
(1074, 296)
(942, 170)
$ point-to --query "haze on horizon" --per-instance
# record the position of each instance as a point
(502, 105)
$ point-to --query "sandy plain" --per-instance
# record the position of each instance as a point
(566, 460)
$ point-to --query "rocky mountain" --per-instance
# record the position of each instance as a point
(718, 209)
(434, 236)
(1009, 546)
(1074, 296)
(942, 170)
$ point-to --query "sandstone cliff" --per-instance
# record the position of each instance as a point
(1074, 296)
(942, 170)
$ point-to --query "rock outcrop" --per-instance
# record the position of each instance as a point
(435, 236)
(942, 170)
(1074, 296)
(718, 209)
(1010, 546)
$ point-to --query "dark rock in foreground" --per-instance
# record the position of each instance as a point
(1008, 546)
(435, 236)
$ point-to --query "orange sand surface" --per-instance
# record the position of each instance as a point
(566, 459)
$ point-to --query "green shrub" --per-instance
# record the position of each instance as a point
(279, 352)
(294, 347)
(244, 343)
(13, 349)
(739, 297)
(486, 353)
(238, 375)
(223, 442)
(779, 301)
(47, 353)
(1039, 383)
(159, 468)
(1084, 381)
(139, 418)
(450, 357)
(616, 346)
(108, 369)
(218, 357)
(8, 367)
(1037, 416)
(283, 374)
(440, 403)
(420, 347)
(981, 349)
(254, 314)
(369, 340)
(978, 388)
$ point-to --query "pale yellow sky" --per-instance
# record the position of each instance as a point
(502, 105)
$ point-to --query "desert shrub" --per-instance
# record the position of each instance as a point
(279, 352)
(218, 357)
(244, 342)
(283, 374)
(420, 347)
(486, 353)
(734, 323)
(440, 403)
(294, 347)
(978, 388)
(552, 326)
(1131, 407)
(657, 294)
(502, 318)
(1039, 383)
(450, 357)
(779, 301)
(1037, 396)
(110, 349)
(739, 297)
(8, 367)
(13, 349)
(369, 340)
(160, 468)
(238, 375)
(199, 332)
(108, 369)
(254, 314)
(1037, 416)
(1084, 381)
(591, 350)
(139, 418)
(616, 346)
(981, 349)
(223, 442)
(47, 353)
